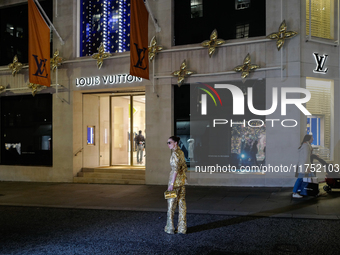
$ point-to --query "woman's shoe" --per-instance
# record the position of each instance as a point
(169, 230)
(296, 195)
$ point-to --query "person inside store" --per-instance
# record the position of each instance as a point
(191, 142)
(177, 181)
(253, 151)
(304, 161)
(140, 140)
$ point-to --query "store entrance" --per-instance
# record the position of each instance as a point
(114, 130)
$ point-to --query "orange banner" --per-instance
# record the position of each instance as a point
(38, 47)
(139, 61)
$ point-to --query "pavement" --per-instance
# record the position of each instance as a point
(232, 201)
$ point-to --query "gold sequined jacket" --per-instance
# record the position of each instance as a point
(177, 163)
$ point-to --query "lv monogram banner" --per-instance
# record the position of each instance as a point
(139, 63)
(38, 47)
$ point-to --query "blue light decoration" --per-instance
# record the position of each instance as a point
(314, 129)
(106, 21)
(90, 135)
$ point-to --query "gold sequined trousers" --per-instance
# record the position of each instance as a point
(182, 212)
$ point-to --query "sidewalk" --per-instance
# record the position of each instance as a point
(266, 202)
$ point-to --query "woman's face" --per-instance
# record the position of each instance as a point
(171, 144)
(311, 140)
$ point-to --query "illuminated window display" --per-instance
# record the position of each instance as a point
(321, 106)
(220, 136)
(322, 18)
(106, 22)
(248, 144)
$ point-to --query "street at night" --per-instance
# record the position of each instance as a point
(54, 218)
(34, 230)
(121, 118)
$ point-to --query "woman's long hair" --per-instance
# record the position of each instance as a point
(306, 139)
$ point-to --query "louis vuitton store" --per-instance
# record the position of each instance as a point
(91, 120)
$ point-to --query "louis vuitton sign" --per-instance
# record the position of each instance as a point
(106, 80)
(320, 61)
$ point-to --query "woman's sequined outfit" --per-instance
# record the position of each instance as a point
(177, 163)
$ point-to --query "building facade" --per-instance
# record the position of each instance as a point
(94, 117)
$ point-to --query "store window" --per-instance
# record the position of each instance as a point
(26, 130)
(196, 8)
(321, 21)
(242, 4)
(237, 140)
(242, 31)
(14, 31)
(320, 124)
(107, 22)
(194, 20)
(206, 144)
(182, 117)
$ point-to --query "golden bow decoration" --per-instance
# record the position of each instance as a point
(153, 48)
(56, 60)
(15, 66)
(182, 73)
(212, 43)
(34, 87)
(101, 55)
(282, 35)
(246, 68)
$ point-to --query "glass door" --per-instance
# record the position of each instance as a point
(139, 128)
(104, 123)
(127, 130)
(120, 130)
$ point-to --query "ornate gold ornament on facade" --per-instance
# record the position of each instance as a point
(282, 35)
(2, 88)
(56, 60)
(15, 66)
(153, 48)
(212, 43)
(34, 87)
(246, 68)
(101, 55)
(182, 73)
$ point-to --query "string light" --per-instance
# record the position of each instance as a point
(120, 26)
(113, 28)
(90, 25)
(105, 23)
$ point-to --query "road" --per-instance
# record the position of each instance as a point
(39, 230)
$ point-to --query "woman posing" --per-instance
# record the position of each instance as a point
(177, 180)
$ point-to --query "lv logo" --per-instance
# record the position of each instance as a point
(40, 67)
(320, 63)
(141, 57)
